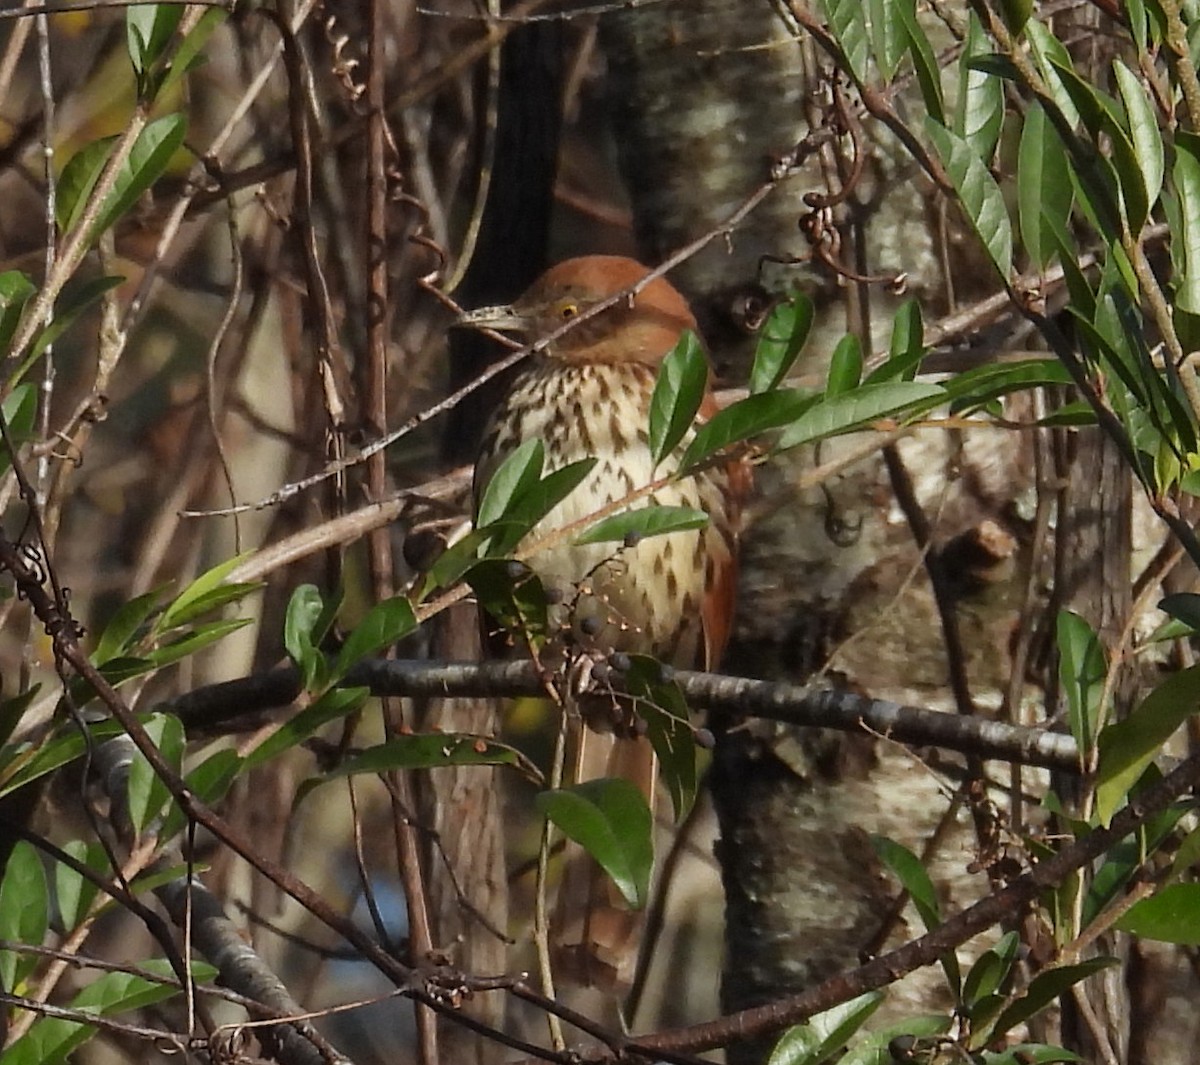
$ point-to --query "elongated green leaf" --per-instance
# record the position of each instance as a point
(428, 751)
(512, 595)
(73, 893)
(304, 608)
(187, 56)
(929, 75)
(875, 1046)
(974, 388)
(744, 419)
(15, 291)
(888, 39)
(824, 1034)
(915, 880)
(990, 971)
(148, 29)
(980, 195)
(384, 625)
(334, 704)
(980, 111)
(24, 911)
(845, 366)
(193, 641)
(77, 181)
(847, 20)
(181, 609)
(147, 794)
(122, 629)
(1047, 51)
(20, 413)
(1128, 747)
(1044, 989)
(680, 387)
(643, 522)
(1185, 176)
(1028, 1054)
(1143, 130)
(27, 766)
(857, 409)
(1044, 189)
(781, 341)
(151, 154)
(521, 469)
(906, 348)
(1082, 668)
(609, 818)
(661, 706)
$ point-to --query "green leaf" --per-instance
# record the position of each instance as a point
(859, 409)
(847, 21)
(972, 389)
(511, 594)
(821, 1037)
(73, 893)
(20, 413)
(187, 56)
(24, 912)
(906, 348)
(1044, 191)
(123, 628)
(1082, 668)
(77, 181)
(52, 1039)
(1127, 747)
(147, 794)
(1016, 14)
(1051, 57)
(979, 194)
(1044, 989)
(333, 705)
(980, 111)
(148, 31)
(385, 624)
(15, 291)
(24, 767)
(913, 877)
(678, 391)
(845, 366)
(781, 341)
(191, 642)
(150, 156)
(1028, 1054)
(610, 820)
(644, 522)
(11, 712)
(1185, 176)
(925, 63)
(888, 39)
(1170, 915)
(1143, 131)
(520, 470)
(304, 609)
(182, 609)
(426, 751)
(990, 972)
(660, 705)
(746, 418)
(875, 1047)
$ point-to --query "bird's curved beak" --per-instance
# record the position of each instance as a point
(499, 317)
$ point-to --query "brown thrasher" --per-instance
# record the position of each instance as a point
(588, 394)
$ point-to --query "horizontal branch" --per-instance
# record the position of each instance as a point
(794, 704)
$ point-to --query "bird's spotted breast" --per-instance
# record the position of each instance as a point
(641, 597)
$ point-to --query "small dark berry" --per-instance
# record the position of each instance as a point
(705, 739)
(632, 538)
(591, 626)
(666, 673)
(601, 671)
(515, 570)
(620, 661)
(553, 594)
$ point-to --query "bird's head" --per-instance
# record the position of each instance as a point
(641, 328)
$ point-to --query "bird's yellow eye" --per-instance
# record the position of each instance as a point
(567, 311)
